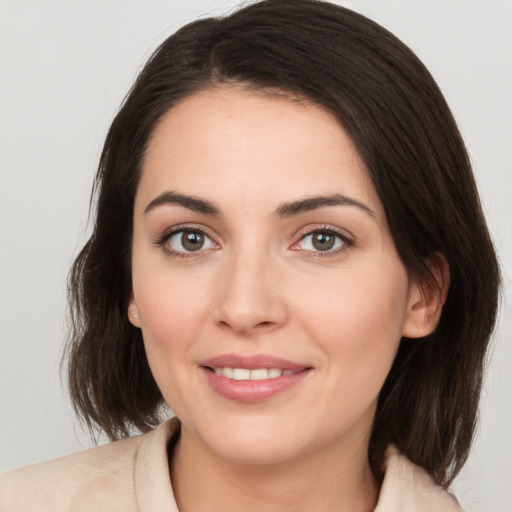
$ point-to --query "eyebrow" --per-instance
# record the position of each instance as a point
(307, 204)
(312, 203)
(192, 203)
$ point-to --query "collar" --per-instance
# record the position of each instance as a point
(406, 487)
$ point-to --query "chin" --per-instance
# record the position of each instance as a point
(256, 451)
(249, 441)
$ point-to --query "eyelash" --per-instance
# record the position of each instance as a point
(347, 242)
(169, 233)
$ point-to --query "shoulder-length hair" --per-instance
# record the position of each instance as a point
(391, 107)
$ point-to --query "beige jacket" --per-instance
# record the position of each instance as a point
(132, 475)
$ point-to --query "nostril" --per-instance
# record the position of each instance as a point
(246, 317)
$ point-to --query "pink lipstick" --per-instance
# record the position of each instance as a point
(251, 379)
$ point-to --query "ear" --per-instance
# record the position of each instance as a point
(133, 312)
(426, 300)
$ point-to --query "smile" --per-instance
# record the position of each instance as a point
(255, 374)
(252, 379)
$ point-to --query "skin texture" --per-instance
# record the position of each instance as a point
(259, 286)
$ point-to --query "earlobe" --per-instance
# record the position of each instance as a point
(426, 300)
(133, 312)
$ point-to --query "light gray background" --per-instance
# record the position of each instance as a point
(65, 66)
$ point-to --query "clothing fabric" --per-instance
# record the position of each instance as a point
(133, 475)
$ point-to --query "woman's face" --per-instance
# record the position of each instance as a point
(265, 280)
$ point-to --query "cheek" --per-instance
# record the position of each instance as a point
(172, 313)
(168, 308)
(357, 321)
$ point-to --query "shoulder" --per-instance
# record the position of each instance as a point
(409, 488)
(81, 478)
(101, 478)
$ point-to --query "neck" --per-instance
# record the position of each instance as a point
(329, 479)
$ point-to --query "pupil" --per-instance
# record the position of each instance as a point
(192, 241)
(323, 241)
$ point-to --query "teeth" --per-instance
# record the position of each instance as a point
(241, 374)
(259, 374)
(256, 374)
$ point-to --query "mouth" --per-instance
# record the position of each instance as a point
(254, 374)
(252, 379)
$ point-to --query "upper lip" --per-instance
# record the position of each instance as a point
(252, 362)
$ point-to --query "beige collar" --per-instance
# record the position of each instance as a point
(406, 487)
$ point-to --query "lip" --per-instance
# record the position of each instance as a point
(252, 391)
(252, 362)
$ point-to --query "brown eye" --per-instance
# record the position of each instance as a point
(188, 240)
(323, 241)
(192, 240)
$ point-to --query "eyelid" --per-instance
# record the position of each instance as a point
(168, 233)
(347, 239)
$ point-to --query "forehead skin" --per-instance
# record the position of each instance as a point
(219, 132)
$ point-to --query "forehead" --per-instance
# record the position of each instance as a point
(223, 141)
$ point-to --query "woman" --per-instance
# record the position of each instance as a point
(289, 251)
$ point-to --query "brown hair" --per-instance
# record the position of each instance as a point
(390, 105)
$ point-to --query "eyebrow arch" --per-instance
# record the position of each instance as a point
(192, 203)
(312, 203)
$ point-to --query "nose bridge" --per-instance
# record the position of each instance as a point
(248, 298)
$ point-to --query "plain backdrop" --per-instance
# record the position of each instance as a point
(65, 66)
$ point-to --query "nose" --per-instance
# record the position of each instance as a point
(250, 296)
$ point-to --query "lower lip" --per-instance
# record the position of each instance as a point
(252, 391)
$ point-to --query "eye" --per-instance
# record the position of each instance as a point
(322, 240)
(189, 240)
